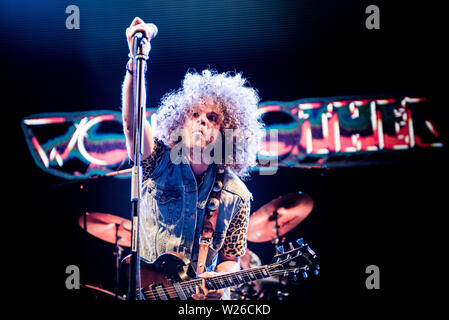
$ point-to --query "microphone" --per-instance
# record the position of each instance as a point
(154, 32)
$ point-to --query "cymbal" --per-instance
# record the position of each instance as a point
(291, 208)
(106, 227)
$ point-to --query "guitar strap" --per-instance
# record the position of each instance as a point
(210, 221)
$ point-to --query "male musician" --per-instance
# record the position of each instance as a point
(182, 165)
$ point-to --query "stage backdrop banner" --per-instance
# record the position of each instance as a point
(313, 132)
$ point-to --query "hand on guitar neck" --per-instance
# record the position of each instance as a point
(202, 293)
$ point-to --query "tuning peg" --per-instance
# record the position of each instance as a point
(285, 274)
(295, 278)
(316, 272)
(300, 241)
(311, 251)
(281, 249)
(304, 275)
(291, 246)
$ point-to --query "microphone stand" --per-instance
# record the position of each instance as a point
(141, 50)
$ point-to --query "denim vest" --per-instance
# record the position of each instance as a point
(172, 210)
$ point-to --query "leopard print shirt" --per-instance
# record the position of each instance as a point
(234, 244)
(151, 162)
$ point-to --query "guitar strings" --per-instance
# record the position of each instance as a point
(233, 276)
(190, 285)
(172, 290)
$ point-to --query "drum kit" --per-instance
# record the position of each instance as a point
(269, 223)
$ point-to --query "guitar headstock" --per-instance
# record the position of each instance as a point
(300, 259)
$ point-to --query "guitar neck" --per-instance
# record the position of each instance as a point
(227, 279)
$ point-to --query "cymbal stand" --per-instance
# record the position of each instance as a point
(83, 190)
(118, 257)
(279, 249)
(275, 240)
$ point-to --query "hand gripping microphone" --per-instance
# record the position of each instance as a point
(154, 31)
(142, 45)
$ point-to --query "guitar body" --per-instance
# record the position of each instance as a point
(158, 278)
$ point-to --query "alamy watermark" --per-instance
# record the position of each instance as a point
(373, 20)
(73, 280)
(73, 20)
(225, 149)
(373, 280)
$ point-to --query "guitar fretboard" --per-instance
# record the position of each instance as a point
(226, 280)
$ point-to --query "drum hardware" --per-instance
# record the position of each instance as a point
(102, 292)
(112, 229)
(282, 294)
(275, 219)
(118, 258)
(107, 227)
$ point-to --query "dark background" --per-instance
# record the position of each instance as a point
(387, 215)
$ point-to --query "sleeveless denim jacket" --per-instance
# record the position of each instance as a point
(171, 210)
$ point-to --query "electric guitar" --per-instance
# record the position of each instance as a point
(171, 277)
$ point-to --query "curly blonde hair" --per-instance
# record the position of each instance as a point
(236, 101)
